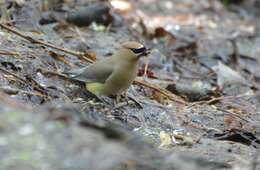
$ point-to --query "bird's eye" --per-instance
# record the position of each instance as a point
(138, 50)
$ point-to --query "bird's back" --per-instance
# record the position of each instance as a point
(97, 72)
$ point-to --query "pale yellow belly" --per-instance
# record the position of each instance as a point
(118, 82)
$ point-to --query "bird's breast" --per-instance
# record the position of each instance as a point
(121, 78)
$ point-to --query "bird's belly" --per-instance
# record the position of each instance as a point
(120, 81)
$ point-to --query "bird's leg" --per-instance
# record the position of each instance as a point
(128, 100)
(119, 97)
(135, 100)
(118, 101)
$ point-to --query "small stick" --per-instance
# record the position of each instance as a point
(15, 91)
(146, 68)
(44, 71)
(61, 58)
(164, 92)
(9, 53)
(20, 78)
(232, 113)
(14, 75)
(223, 98)
(35, 41)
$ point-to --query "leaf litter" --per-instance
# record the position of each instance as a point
(200, 95)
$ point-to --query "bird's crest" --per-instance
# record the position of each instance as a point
(136, 47)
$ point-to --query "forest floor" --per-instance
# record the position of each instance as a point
(194, 105)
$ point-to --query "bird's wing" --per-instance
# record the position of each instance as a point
(97, 72)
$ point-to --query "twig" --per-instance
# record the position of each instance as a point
(9, 53)
(220, 109)
(13, 74)
(21, 79)
(222, 98)
(230, 97)
(164, 92)
(146, 67)
(44, 71)
(61, 58)
(80, 55)
(15, 91)
(227, 111)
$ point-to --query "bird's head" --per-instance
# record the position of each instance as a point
(132, 50)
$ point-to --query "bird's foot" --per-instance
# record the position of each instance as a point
(124, 100)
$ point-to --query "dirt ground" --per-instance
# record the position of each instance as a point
(194, 105)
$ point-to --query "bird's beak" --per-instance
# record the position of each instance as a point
(145, 53)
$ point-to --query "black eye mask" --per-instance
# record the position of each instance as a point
(138, 50)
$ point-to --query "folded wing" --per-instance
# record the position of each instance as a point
(97, 72)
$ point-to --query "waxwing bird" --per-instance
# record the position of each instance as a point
(112, 75)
